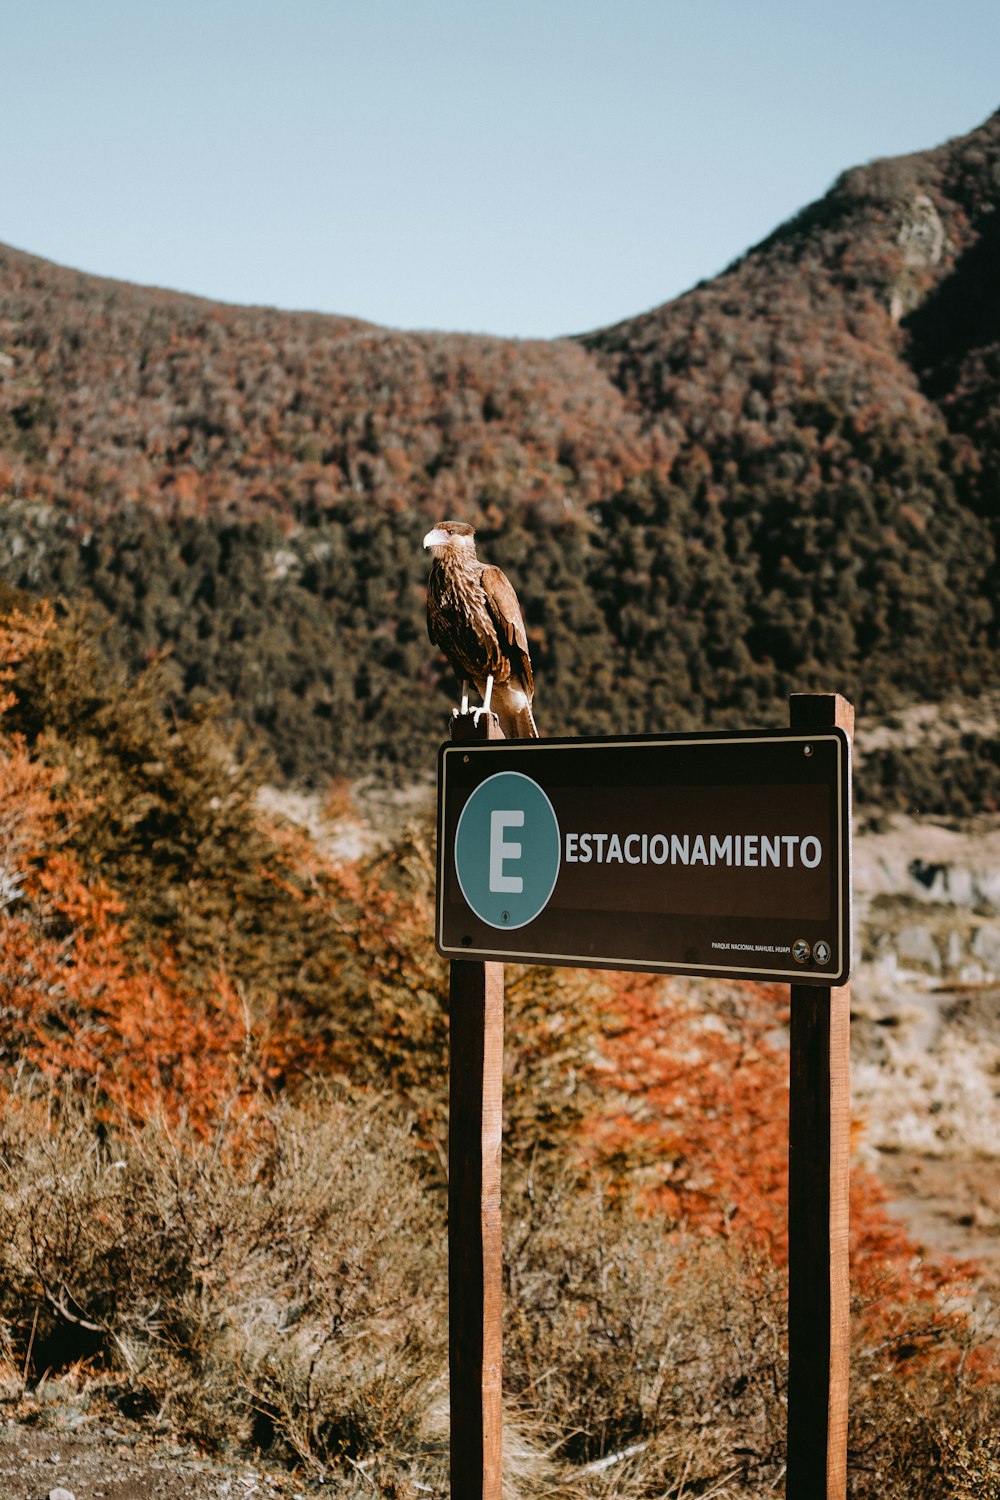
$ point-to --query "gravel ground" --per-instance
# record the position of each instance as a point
(103, 1463)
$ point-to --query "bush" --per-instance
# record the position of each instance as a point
(283, 1293)
(657, 1364)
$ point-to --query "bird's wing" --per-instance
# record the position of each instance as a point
(435, 623)
(503, 606)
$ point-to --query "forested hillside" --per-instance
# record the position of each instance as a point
(786, 478)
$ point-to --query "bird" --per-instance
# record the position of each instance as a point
(474, 617)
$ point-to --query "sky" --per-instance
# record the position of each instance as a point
(519, 167)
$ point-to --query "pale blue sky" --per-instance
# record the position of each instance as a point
(533, 167)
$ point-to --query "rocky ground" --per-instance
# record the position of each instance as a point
(926, 1028)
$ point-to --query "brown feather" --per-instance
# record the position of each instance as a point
(506, 612)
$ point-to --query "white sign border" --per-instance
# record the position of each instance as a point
(799, 974)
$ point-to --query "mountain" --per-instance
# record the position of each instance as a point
(786, 478)
(876, 309)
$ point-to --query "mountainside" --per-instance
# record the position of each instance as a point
(872, 316)
(129, 395)
(786, 478)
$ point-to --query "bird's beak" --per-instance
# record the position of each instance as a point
(437, 538)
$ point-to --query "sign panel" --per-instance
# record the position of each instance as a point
(713, 854)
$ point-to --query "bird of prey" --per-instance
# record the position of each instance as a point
(474, 616)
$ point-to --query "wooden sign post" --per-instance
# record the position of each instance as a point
(819, 1147)
(475, 1269)
(728, 855)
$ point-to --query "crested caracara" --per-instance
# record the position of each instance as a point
(474, 616)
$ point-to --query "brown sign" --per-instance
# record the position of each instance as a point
(712, 854)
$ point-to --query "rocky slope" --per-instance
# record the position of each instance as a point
(926, 1029)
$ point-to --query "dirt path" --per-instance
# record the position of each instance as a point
(103, 1463)
(950, 1206)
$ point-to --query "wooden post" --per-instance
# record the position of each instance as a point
(818, 1211)
(474, 1238)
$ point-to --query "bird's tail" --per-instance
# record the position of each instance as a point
(523, 726)
(512, 707)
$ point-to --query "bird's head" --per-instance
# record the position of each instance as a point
(451, 537)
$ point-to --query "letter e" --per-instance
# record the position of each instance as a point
(500, 820)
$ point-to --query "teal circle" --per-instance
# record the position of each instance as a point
(508, 835)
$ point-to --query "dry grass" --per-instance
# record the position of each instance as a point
(657, 1364)
(654, 1361)
(286, 1293)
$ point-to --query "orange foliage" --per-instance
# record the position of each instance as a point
(697, 1116)
(77, 1001)
(698, 1108)
(77, 1007)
